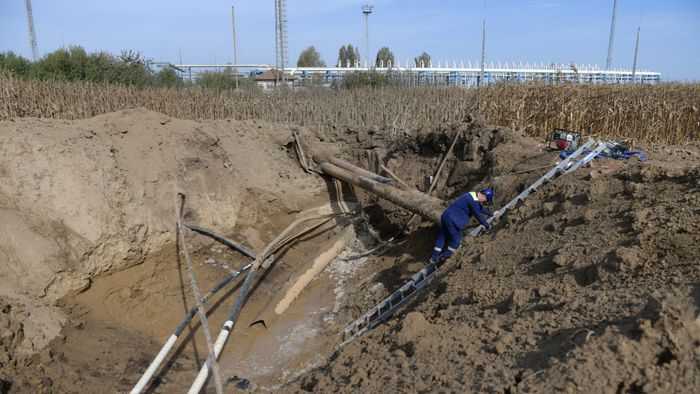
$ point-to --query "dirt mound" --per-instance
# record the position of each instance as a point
(102, 191)
(553, 297)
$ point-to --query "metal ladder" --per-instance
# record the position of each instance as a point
(566, 166)
(382, 311)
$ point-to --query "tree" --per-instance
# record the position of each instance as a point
(135, 70)
(15, 63)
(371, 79)
(348, 56)
(342, 56)
(75, 64)
(216, 81)
(57, 65)
(168, 78)
(424, 58)
(103, 67)
(310, 58)
(385, 57)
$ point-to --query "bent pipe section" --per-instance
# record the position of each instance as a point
(231, 244)
(419, 203)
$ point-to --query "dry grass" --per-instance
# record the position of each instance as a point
(665, 113)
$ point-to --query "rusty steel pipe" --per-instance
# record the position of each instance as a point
(323, 158)
(419, 203)
(365, 173)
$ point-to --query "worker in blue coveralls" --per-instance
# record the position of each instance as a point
(456, 217)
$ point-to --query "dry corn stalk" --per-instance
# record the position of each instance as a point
(655, 113)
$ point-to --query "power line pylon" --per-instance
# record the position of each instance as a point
(608, 63)
(32, 34)
(281, 37)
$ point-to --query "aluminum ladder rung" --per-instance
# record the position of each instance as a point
(590, 156)
(378, 314)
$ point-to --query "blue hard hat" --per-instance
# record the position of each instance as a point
(488, 192)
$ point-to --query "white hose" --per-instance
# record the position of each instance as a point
(141, 384)
(204, 372)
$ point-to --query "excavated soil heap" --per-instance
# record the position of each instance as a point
(593, 284)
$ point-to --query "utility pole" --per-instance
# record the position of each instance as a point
(366, 10)
(612, 36)
(235, 57)
(483, 54)
(32, 33)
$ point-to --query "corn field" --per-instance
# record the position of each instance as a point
(666, 113)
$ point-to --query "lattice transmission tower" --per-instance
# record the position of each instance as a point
(32, 34)
(608, 63)
(636, 46)
(281, 36)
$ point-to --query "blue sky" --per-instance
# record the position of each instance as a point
(561, 31)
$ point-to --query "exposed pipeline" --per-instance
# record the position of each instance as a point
(419, 203)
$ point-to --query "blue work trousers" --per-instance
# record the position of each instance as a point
(450, 234)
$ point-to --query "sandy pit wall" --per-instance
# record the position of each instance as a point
(86, 198)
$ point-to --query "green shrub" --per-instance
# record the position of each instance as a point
(218, 81)
(59, 65)
(75, 64)
(15, 63)
(168, 78)
(371, 79)
(134, 69)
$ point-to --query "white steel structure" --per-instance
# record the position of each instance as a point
(446, 74)
(442, 73)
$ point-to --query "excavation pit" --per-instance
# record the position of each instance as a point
(105, 285)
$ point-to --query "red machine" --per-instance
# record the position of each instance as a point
(564, 140)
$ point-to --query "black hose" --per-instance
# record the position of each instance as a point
(231, 244)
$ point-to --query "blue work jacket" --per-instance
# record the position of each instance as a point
(466, 207)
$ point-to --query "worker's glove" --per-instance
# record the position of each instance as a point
(497, 213)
